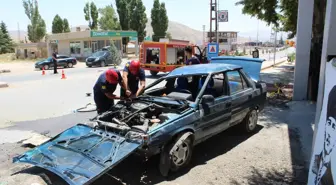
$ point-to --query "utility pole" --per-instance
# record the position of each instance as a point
(275, 40)
(258, 33)
(203, 35)
(217, 25)
(213, 9)
(19, 36)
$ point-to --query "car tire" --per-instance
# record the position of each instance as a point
(250, 122)
(154, 73)
(89, 66)
(102, 64)
(46, 67)
(180, 158)
(69, 65)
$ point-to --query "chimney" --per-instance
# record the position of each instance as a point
(78, 28)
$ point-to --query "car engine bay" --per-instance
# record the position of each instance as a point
(137, 116)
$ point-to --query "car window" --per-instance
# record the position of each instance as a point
(215, 86)
(235, 82)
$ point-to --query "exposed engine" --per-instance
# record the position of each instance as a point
(139, 115)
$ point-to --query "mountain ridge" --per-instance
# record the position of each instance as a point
(176, 29)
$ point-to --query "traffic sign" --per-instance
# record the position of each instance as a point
(223, 16)
(212, 50)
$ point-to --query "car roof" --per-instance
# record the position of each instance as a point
(238, 58)
(202, 69)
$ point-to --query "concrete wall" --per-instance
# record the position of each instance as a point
(64, 47)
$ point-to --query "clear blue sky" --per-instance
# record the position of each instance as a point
(193, 13)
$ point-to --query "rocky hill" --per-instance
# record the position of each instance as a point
(177, 30)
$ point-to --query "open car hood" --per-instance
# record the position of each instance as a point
(80, 154)
(250, 65)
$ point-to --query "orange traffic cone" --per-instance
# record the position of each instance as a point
(63, 75)
(43, 72)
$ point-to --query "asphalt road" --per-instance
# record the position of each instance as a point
(81, 69)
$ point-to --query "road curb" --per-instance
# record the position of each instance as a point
(3, 84)
(267, 67)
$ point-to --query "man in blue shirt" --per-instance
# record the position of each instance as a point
(104, 88)
(132, 75)
(191, 59)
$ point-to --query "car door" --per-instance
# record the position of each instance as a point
(215, 117)
(108, 57)
(62, 60)
(240, 93)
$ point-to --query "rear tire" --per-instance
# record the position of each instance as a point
(46, 67)
(154, 73)
(70, 65)
(102, 64)
(250, 122)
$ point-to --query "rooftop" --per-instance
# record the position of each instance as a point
(202, 69)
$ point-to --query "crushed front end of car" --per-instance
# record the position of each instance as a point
(82, 153)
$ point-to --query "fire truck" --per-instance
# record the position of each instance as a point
(166, 56)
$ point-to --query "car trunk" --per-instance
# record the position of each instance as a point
(80, 154)
(251, 67)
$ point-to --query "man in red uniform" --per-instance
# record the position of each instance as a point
(104, 88)
(132, 75)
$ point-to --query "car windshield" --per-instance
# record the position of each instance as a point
(48, 59)
(177, 88)
(98, 53)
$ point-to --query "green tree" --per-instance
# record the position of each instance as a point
(91, 15)
(123, 9)
(6, 43)
(283, 14)
(168, 35)
(108, 19)
(115, 53)
(57, 24)
(66, 27)
(138, 19)
(37, 27)
(159, 20)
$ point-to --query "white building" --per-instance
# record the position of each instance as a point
(227, 39)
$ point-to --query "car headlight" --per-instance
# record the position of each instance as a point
(97, 59)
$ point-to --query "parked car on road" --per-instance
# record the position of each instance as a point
(167, 119)
(100, 58)
(62, 61)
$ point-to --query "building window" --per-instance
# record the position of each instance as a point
(222, 40)
(87, 44)
(108, 42)
(75, 47)
(101, 44)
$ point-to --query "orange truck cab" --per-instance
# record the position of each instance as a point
(165, 56)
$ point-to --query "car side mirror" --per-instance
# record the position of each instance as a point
(207, 99)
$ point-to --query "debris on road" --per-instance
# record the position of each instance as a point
(3, 84)
(35, 140)
(5, 71)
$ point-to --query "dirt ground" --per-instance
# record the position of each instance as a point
(271, 156)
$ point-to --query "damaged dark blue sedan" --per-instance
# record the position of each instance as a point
(175, 113)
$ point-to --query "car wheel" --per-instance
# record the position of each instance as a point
(46, 67)
(102, 64)
(250, 122)
(89, 66)
(70, 65)
(176, 155)
(154, 73)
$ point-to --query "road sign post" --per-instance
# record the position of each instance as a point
(212, 50)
